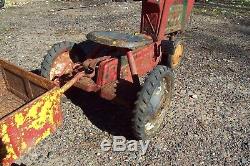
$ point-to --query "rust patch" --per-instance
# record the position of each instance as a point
(62, 65)
(8, 101)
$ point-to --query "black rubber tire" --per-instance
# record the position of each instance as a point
(143, 107)
(2, 3)
(53, 53)
(168, 51)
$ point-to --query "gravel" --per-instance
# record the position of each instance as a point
(209, 119)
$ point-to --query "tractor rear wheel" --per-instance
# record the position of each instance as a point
(153, 103)
(58, 60)
(175, 53)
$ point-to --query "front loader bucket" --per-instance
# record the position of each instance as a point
(29, 110)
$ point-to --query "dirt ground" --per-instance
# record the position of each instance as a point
(209, 121)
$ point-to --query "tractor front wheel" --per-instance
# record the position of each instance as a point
(175, 53)
(153, 103)
(58, 60)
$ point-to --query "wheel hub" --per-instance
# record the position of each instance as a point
(158, 103)
(178, 53)
(61, 65)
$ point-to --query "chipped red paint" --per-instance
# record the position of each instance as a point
(19, 133)
(107, 71)
(190, 5)
(61, 65)
(145, 60)
(111, 77)
(26, 126)
(156, 17)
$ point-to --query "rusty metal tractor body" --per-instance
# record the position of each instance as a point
(108, 63)
(30, 110)
(116, 60)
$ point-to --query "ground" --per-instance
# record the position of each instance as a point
(209, 120)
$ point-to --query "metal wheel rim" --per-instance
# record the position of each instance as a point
(160, 98)
(61, 65)
(177, 56)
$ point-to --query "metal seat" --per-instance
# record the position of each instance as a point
(118, 39)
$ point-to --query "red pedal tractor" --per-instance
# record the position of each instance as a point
(114, 64)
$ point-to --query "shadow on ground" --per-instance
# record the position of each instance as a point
(213, 43)
(103, 114)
